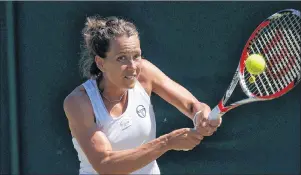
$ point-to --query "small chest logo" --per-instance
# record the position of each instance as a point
(140, 110)
(125, 123)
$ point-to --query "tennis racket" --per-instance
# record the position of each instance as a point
(277, 39)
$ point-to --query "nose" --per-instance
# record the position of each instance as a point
(132, 64)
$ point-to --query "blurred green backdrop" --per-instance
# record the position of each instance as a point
(198, 44)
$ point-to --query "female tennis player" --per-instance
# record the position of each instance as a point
(111, 116)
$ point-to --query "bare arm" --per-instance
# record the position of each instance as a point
(98, 149)
(169, 90)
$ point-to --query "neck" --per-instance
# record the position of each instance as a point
(111, 92)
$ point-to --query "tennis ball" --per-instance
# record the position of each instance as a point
(255, 64)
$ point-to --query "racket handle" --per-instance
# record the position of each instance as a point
(215, 113)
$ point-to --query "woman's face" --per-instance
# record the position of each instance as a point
(122, 64)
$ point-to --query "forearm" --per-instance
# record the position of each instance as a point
(188, 104)
(181, 98)
(191, 106)
(127, 161)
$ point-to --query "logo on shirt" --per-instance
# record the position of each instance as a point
(125, 123)
(140, 110)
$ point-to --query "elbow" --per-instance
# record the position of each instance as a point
(106, 165)
(103, 168)
(102, 164)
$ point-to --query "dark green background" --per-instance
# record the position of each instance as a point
(4, 134)
(198, 44)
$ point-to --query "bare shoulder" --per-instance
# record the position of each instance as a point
(92, 140)
(151, 75)
(145, 77)
(147, 66)
(77, 106)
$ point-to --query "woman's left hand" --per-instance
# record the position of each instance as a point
(202, 124)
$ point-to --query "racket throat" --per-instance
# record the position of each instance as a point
(231, 88)
(215, 113)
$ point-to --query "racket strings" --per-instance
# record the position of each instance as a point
(280, 62)
(282, 49)
(294, 63)
(283, 82)
(279, 43)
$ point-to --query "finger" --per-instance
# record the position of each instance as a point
(211, 131)
(198, 118)
(202, 124)
(185, 135)
(215, 123)
(206, 121)
(204, 127)
(193, 141)
(209, 127)
(201, 130)
(206, 114)
(196, 135)
(188, 142)
(201, 116)
(206, 131)
(181, 131)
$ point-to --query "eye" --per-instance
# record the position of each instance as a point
(136, 57)
(121, 58)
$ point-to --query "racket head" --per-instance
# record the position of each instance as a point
(277, 39)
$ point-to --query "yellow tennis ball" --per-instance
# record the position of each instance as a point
(255, 64)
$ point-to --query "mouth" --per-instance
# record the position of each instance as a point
(130, 77)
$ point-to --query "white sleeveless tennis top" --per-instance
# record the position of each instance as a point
(133, 128)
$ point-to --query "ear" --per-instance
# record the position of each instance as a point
(99, 62)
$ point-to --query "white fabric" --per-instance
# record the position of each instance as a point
(133, 128)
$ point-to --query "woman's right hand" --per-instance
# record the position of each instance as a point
(183, 139)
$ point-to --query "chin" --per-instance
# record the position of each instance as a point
(130, 85)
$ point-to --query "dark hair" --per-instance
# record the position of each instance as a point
(97, 34)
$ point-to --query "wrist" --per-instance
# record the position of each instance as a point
(164, 141)
(194, 119)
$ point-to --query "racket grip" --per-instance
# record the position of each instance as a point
(215, 113)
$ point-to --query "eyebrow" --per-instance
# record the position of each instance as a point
(134, 51)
